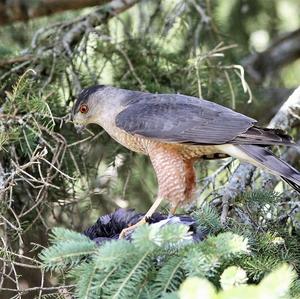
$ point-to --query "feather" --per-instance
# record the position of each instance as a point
(266, 160)
(263, 136)
(181, 119)
(109, 226)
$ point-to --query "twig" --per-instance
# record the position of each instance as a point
(37, 289)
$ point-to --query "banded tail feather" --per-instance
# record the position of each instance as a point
(265, 159)
(264, 136)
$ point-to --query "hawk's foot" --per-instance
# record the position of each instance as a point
(150, 212)
(129, 229)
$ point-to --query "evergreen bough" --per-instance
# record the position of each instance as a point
(166, 263)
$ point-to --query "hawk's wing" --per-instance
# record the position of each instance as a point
(181, 119)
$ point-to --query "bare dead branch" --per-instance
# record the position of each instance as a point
(289, 113)
(281, 52)
(24, 10)
(66, 36)
(95, 19)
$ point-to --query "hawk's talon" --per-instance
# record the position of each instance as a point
(127, 230)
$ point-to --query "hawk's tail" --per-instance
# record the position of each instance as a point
(265, 159)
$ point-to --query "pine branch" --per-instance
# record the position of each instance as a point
(169, 277)
(84, 276)
(120, 269)
(208, 218)
(68, 250)
(205, 258)
(128, 285)
(157, 236)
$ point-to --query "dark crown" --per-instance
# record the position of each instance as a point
(84, 96)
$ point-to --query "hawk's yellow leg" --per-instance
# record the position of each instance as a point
(150, 212)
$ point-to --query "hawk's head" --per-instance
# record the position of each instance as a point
(86, 108)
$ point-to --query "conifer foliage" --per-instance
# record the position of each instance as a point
(54, 183)
(165, 262)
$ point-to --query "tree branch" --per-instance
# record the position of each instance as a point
(289, 113)
(59, 40)
(281, 52)
(24, 10)
(9, 62)
(94, 19)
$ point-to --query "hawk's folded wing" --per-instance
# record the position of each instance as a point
(182, 119)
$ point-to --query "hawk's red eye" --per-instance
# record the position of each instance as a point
(84, 109)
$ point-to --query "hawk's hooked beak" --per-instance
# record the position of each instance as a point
(79, 128)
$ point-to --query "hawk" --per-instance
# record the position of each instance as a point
(176, 130)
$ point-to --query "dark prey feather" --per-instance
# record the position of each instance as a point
(110, 226)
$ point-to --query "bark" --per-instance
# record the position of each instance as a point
(24, 10)
(289, 113)
(286, 117)
(283, 51)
